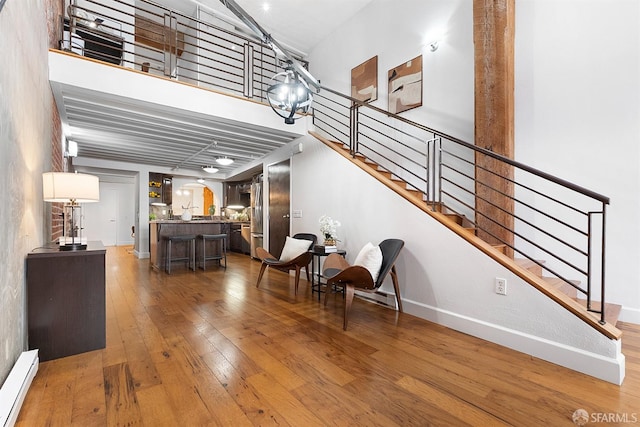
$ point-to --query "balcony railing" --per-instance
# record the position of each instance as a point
(552, 223)
(538, 217)
(150, 38)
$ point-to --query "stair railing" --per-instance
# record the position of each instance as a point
(552, 223)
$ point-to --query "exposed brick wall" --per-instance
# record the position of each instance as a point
(55, 11)
(57, 162)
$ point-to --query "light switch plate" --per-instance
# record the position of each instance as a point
(297, 213)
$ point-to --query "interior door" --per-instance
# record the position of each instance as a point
(100, 219)
(279, 204)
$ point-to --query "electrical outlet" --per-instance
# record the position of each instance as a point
(501, 286)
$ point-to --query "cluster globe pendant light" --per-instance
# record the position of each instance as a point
(290, 95)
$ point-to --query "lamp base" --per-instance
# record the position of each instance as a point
(73, 247)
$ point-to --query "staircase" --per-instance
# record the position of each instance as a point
(529, 271)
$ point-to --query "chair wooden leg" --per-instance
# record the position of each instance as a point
(349, 292)
(306, 270)
(263, 267)
(396, 287)
(297, 279)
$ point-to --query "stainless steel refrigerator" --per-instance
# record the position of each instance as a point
(256, 214)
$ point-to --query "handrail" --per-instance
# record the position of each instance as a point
(562, 229)
(511, 162)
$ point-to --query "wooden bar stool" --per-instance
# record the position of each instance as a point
(190, 251)
(222, 255)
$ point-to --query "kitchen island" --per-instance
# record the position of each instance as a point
(158, 229)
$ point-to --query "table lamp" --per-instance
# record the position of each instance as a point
(71, 189)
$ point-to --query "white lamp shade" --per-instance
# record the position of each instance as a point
(65, 186)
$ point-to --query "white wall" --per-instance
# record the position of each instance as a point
(122, 209)
(25, 152)
(398, 32)
(578, 115)
(560, 60)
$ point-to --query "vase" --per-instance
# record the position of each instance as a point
(186, 215)
(329, 241)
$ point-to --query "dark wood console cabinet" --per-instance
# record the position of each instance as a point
(66, 301)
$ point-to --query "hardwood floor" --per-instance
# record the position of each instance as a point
(208, 348)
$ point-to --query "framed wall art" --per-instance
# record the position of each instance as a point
(405, 86)
(364, 80)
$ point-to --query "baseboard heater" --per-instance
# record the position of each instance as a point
(15, 387)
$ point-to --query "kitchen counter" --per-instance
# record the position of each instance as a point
(158, 229)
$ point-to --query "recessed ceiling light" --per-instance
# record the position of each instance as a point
(224, 161)
(266, 6)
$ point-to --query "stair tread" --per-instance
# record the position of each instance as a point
(611, 313)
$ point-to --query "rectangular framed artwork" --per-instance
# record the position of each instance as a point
(364, 80)
(405, 86)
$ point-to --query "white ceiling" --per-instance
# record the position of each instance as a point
(297, 24)
(109, 127)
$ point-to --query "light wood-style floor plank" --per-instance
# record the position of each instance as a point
(209, 348)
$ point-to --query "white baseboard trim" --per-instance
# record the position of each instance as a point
(15, 387)
(630, 315)
(608, 369)
(142, 255)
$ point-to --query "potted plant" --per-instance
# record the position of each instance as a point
(212, 210)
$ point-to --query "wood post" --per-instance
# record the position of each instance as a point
(493, 32)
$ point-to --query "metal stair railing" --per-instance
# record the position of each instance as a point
(553, 223)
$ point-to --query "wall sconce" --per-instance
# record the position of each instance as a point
(433, 46)
(71, 189)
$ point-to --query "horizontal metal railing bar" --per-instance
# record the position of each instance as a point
(395, 164)
(531, 242)
(402, 155)
(518, 201)
(546, 267)
(534, 171)
(517, 217)
(395, 129)
(332, 118)
(360, 124)
(336, 138)
(560, 202)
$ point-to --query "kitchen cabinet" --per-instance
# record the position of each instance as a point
(238, 194)
(160, 189)
(235, 242)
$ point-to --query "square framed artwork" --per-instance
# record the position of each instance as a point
(364, 80)
(405, 86)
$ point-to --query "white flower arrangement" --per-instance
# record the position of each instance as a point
(328, 227)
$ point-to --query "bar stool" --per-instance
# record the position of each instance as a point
(222, 238)
(190, 250)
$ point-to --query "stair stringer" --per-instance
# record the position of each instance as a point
(399, 187)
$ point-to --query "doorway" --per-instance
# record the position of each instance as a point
(100, 220)
(279, 205)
